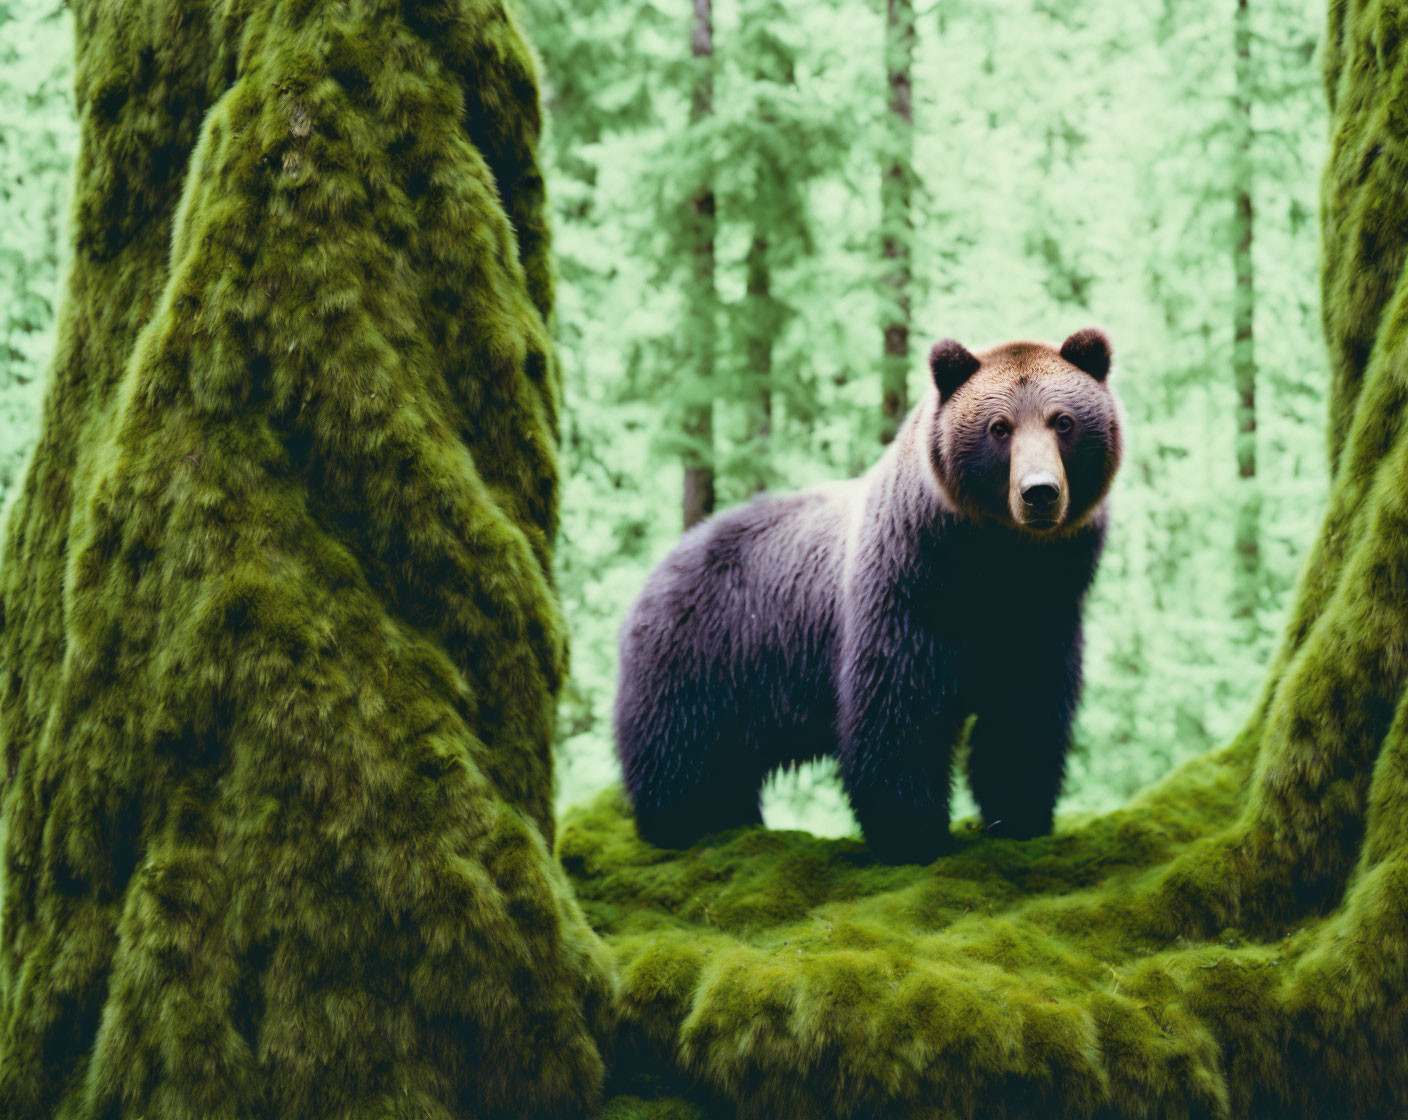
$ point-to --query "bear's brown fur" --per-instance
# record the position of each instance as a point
(1037, 396)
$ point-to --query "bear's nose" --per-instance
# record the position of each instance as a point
(1040, 493)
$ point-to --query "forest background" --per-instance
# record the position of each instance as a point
(766, 211)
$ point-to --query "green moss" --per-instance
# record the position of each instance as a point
(280, 650)
(1233, 944)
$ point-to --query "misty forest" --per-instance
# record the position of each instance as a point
(358, 362)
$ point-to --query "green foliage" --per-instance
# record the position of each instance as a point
(38, 136)
(1234, 943)
(280, 647)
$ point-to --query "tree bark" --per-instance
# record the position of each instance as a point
(703, 295)
(896, 218)
(281, 649)
(760, 342)
(1248, 546)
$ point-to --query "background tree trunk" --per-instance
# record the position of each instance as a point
(281, 650)
(760, 340)
(896, 219)
(1248, 582)
(702, 298)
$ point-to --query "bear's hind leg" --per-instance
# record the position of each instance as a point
(680, 731)
(681, 817)
(688, 776)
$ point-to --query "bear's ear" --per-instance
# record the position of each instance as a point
(1088, 350)
(951, 364)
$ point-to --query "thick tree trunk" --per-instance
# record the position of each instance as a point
(1248, 547)
(281, 649)
(896, 219)
(702, 295)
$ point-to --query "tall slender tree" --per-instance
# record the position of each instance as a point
(770, 198)
(896, 219)
(703, 295)
(1248, 548)
(760, 341)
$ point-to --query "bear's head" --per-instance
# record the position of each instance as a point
(1025, 433)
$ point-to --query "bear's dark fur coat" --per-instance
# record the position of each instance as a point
(869, 618)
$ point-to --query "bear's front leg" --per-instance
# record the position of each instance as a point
(896, 726)
(1018, 745)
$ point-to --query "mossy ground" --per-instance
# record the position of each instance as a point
(1232, 944)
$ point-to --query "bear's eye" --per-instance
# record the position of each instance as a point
(999, 429)
(1063, 424)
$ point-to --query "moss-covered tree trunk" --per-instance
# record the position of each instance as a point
(1234, 944)
(280, 646)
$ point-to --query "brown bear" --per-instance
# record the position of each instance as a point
(870, 618)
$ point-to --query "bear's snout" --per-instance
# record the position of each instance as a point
(1040, 493)
(1037, 494)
